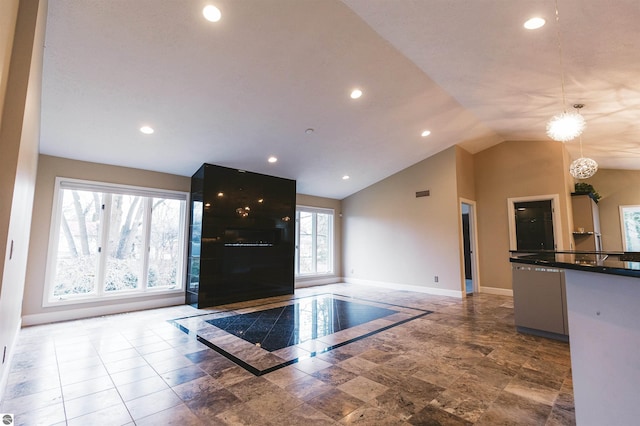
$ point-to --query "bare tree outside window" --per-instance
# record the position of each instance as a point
(116, 242)
(314, 237)
(630, 220)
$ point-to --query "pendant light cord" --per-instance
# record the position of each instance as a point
(581, 154)
(564, 101)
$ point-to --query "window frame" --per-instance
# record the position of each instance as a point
(331, 236)
(99, 294)
(622, 223)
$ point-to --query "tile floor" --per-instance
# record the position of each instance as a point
(252, 334)
(463, 364)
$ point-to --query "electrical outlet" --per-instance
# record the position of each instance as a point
(435, 279)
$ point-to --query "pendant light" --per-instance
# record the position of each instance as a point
(583, 167)
(565, 126)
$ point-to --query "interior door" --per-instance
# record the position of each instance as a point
(534, 225)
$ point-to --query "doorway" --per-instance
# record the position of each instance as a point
(534, 223)
(469, 246)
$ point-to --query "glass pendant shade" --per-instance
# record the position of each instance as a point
(565, 127)
(583, 168)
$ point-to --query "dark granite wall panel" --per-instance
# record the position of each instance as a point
(241, 236)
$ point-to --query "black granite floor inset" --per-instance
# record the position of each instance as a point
(306, 319)
(265, 335)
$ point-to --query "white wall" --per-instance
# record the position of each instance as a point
(604, 336)
(19, 138)
(392, 238)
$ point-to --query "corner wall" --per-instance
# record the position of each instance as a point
(617, 188)
(22, 25)
(48, 169)
(391, 238)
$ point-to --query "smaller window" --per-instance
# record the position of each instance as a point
(630, 221)
(314, 241)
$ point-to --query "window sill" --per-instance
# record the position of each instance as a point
(92, 299)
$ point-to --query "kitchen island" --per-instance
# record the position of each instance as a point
(603, 312)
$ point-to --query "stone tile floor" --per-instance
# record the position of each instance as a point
(463, 364)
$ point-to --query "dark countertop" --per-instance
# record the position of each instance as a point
(612, 263)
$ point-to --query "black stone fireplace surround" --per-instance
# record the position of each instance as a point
(241, 236)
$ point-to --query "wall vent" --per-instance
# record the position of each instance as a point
(422, 194)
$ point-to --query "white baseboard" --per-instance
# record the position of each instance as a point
(4, 378)
(496, 290)
(310, 282)
(407, 287)
(96, 311)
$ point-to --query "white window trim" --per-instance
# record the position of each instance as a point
(97, 296)
(310, 209)
(622, 230)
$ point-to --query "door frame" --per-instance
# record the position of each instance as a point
(473, 236)
(555, 215)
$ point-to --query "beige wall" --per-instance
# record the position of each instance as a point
(392, 237)
(465, 174)
(51, 167)
(8, 15)
(20, 90)
(509, 170)
(336, 205)
(48, 169)
(465, 181)
(617, 188)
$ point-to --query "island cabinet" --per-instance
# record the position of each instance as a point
(241, 236)
(586, 223)
(602, 295)
(540, 301)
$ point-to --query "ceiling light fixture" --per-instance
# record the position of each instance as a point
(425, 133)
(272, 159)
(211, 13)
(147, 130)
(534, 23)
(583, 167)
(309, 131)
(567, 125)
(356, 93)
(345, 177)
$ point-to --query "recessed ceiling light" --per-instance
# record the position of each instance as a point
(272, 159)
(345, 177)
(425, 133)
(146, 130)
(534, 23)
(356, 93)
(220, 194)
(211, 13)
(309, 131)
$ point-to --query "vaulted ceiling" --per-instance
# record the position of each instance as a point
(248, 87)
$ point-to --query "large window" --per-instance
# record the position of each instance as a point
(112, 240)
(314, 241)
(630, 221)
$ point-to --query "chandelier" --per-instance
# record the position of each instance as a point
(565, 126)
(583, 168)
